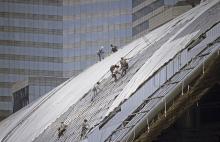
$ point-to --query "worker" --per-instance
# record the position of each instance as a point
(95, 90)
(85, 128)
(124, 66)
(61, 129)
(112, 68)
(114, 48)
(115, 70)
(100, 53)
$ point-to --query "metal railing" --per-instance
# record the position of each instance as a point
(180, 64)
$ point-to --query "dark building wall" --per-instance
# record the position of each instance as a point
(21, 98)
(201, 123)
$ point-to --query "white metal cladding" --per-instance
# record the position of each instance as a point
(149, 116)
(112, 128)
(198, 70)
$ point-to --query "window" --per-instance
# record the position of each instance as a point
(141, 27)
(21, 98)
(147, 9)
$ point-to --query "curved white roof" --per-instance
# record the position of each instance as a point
(71, 101)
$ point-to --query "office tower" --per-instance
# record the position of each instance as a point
(44, 42)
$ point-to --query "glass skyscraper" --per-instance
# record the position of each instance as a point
(44, 42)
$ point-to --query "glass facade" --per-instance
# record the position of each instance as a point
(147, 9)
(31, 45)
(48, 41)
(149, 14)
(88, 25)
